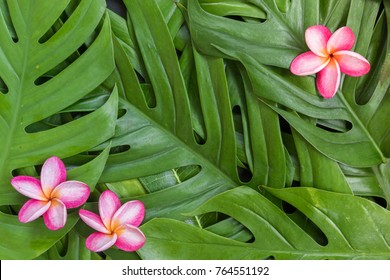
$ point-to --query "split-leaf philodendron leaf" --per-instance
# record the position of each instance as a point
(190, 107)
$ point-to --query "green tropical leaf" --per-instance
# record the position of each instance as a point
(71, 247)
(48, 63)
(338, 216)
(28, 241)
(181, 103)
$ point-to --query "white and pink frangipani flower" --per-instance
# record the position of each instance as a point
(51, 195)
(329, 56)
(117, 225)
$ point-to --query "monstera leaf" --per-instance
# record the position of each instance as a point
(338, 217)
(179, 105)
(53, 54)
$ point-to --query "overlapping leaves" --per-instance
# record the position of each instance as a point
(280, 36)
(43, 71)
(338, 216)
(206, 105)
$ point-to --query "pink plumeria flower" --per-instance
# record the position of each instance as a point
(329, 55)
(117, 225)
(51, 195)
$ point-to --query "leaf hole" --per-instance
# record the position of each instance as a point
(243, 12)
(57, 25)
(65, 63)
(169, 178)
(59, 68)
(305, 224)
(54, 121)
(381, 12)
(147, 91)
(378, 200)
(9, 24)
(284, 125)
(229, 227)
(118, 7)
(3, 87)
(121, 112)
(119, 149)
(244, 174)
(243, 170)
(288, 208)
(335, 126)
(199, 139)
(149, 95)
(197, 114)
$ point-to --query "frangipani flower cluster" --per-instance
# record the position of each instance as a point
(52, 195)
(329, 56)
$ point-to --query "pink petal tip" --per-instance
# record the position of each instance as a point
(317, 37)
(308, 63)
(93, 220)
(109, 203)
(55, 216)
(130, 238)
(33, 209)
(98, 241)
(28, 186)
(342, 39)
(328, 79)
(351, 63)
(53, 173)
(72, 193)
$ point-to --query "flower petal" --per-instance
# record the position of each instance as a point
(351, 63)
(93, 221)
(33, 209)
(308, 63)
(72, 193)
(129, 238)
(98, 241)
(28, 186)
(342, 39)
(53, 173)
(108, 204)
(131, 213)
(328, 79)
(317, 37)
(55, 216)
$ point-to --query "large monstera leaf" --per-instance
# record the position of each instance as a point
(350, 228)
(53, 53)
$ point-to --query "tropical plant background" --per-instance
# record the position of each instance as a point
(189, 106)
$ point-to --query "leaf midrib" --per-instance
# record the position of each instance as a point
(363, 127)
